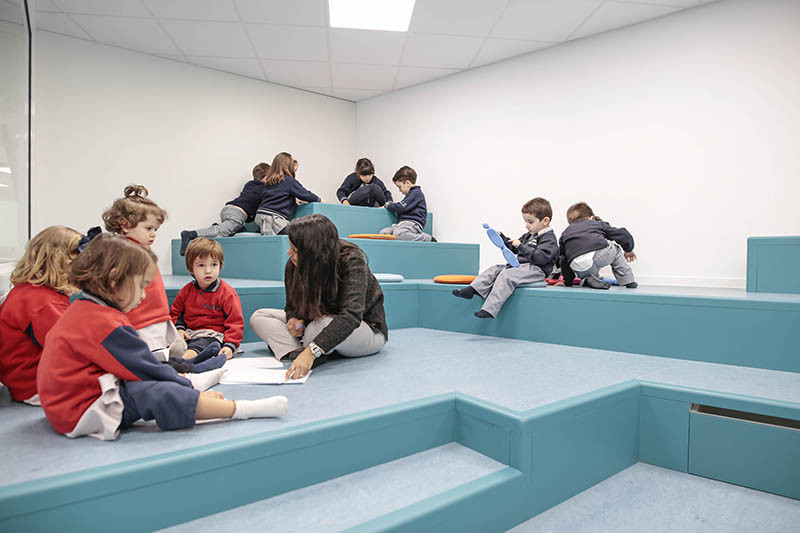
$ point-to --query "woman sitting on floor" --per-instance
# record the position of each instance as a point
(333, 302)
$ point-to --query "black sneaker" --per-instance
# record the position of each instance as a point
(594, 283)
(632, 285)
(186, 238)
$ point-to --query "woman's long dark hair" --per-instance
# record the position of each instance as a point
(314, 283)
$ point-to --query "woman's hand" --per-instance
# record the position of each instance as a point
(295, 327)
(301, 365)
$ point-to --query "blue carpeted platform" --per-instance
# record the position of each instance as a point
(653, 499)
(259, 257)
(354, 219)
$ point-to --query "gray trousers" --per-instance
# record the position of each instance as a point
(270, 326)
(232, 220)
(610, 255)
(407, 230)
(270, 224)
(497, 283)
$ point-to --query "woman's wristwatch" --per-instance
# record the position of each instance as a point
(316, 350)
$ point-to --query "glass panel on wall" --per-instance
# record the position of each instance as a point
(14, 107)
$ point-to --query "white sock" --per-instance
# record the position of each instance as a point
(205, 380)
(273, 406)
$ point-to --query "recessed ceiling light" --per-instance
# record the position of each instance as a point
(386, 15)
(5, 170)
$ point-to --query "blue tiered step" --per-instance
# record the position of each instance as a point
(773, 264)
(353, 219)
(249, 256)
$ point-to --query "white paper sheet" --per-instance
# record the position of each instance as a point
(252, 362)
(259, 376)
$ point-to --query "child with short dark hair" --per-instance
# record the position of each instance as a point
(39, 298)
(412, 210)
(281, 192)
(236, 213)
(537, 252)
(207, 311)
(137, 218)
(589, 244)
(363, 187)
(96, 375)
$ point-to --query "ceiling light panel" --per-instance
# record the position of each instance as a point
(385, 15)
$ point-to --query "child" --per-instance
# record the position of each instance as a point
(207, 311)
(96, 375)
(412, 210)
(236, 213)
(138, 218)
(588, 244)
(280, 196)
(39, 298)
(363, 187)
(537, 252)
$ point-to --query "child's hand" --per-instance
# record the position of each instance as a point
(630, 256)
(227, 351)
(184, 335)
(298, 201)
(386, 204)
(516, 243)
(295, 327)
(559, 284)
(345, 202)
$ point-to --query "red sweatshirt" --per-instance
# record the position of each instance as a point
(155, 307)
(217, 307)
(26, 315)
(91, 339)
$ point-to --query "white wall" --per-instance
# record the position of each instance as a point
(105, 117)
(685, 129)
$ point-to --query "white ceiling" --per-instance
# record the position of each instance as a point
(289, 41)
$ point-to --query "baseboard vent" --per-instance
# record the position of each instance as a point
(787, 423)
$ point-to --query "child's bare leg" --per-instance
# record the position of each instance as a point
(212, 404)
(190, 354)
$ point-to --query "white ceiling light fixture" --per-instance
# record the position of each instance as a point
(385, 15)
(5, 170)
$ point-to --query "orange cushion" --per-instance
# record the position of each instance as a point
(372, 236)
(455, 278)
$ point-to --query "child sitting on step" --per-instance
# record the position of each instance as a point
(281, 192)
(39, 298)
(137, 218)
(96, 375)
(236, 213)
(411, 210)
(537, 252)
(589, 244)
(363, 187)
(207, 311)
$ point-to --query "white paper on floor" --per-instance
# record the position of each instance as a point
(259, 376)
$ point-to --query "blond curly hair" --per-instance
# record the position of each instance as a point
(47, 259)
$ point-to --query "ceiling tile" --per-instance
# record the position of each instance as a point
(142, 35)
(443, 51)
(408, 76)
(17, 3)
(298, 73)
(612, 15)
(327, 91)
(246, 67)
(289, 42)
(366, 46)
(456, 17)
(125, 8)
(498, 49)
(543, 20)
(59, 23)
(218, 10)
(374, 77)
(210, 39)
(298, 12)
(354, 95)
(45, 5)
(173, 57)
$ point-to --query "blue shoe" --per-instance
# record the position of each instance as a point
(508, 255)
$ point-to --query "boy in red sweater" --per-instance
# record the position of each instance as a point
(207, 311)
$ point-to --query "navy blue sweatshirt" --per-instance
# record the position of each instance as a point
(279, 199)
(540, 249)
(586, 235)
(411, 207)
(250, 198)
(353, 182)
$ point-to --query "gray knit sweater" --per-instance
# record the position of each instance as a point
(360, 298)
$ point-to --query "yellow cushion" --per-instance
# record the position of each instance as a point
(372, 236)
(455, 278)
